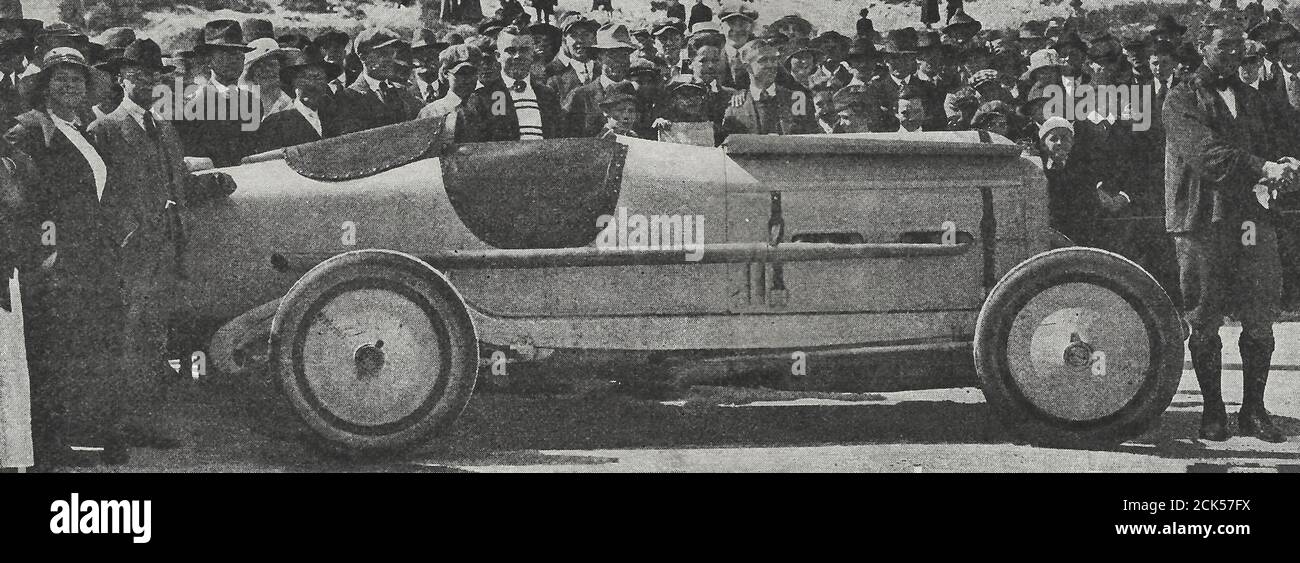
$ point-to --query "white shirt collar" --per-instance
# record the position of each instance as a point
(136, 111)
(451, 98)
(756, 93)
(212, 79)
(312, 117)
(605, 82)
(510, 82)
(563, 58)
(372, 82)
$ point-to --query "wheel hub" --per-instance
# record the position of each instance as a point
(1079, 353)
(369, 359)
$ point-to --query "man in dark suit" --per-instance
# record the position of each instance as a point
(17, 35)
(1218, 150)
(149, 181)
(575, 64)
(375, 99)
(308, 119)
(210, 125)
(766, 107)
(514, 105)
(583, 116)
(900, 57)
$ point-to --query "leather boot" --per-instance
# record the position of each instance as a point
(1207, 361)
(1256, 360)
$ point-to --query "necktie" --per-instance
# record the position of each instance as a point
(519, 86)
(386, 91)
(150, 128)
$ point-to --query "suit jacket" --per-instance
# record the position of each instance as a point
(582, 114)
(11, 105)
(222, 140)
(359, 108)
(288, 128)
(146, 175)
(86, 231)
(884, 92)
(478, 122)
(777, 116)
(561, 77)
(1211, 159)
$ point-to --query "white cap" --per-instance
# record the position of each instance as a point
(1054, 122)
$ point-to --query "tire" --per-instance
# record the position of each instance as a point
(375, 351)
(1078, 347)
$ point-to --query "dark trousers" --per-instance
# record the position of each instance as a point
(73, 352)
(1221, 274)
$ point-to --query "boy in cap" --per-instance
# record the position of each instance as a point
(911, 115)
(582, 112)
(458, 69)
(621, 111)
(374, 99)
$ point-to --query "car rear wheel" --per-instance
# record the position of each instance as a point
(1078, 347)
(375, 351)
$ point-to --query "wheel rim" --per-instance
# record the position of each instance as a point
(369, 357)
(1078, 352)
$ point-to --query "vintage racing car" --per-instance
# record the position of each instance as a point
(376, 272)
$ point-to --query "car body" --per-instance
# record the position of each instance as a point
(843, 245)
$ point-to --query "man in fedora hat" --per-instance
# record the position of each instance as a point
(582, 112)
(962, 29)
(513, 105)
(1168, 29)
(834, 47)
(1074, 54)
(575, 64)
(670, 43)
(257, 28)
(306, 75)
(145, 160)
(766, 107)
(374, 99)
(333, 45)
(425, 48)
(900, 58)
(207, 128)
(458, 67)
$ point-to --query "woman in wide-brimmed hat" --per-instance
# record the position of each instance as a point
(74, 302)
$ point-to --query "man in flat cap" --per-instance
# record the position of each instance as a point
(575, 65)
(765, 107)
(582, 112)
(900, 58)
(458, 67)
(513, 105)
(374, 99)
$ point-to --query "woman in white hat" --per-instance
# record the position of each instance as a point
(261, 76)
(72, 292)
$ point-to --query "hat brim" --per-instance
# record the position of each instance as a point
(331, 70)
(435, 46)
(616, 100)
(116, 64)
(973, 27)
(615, 46)
(205, 48)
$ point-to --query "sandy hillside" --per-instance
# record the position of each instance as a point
(825, 14)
